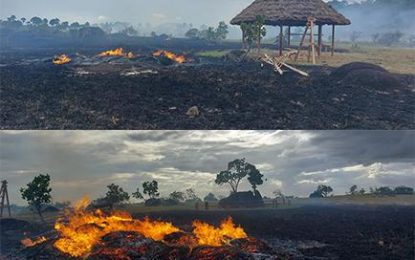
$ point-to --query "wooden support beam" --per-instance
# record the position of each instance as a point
(289, 36)
(320, 35)
(301, 44)
(281, 39)
(332, 39)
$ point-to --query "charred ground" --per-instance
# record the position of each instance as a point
(228, 94)
(311, 232)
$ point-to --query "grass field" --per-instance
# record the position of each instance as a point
(396, 60)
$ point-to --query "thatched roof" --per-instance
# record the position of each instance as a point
(291, 13)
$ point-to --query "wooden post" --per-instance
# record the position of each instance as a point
(311, 50)
(281, 39)
(4, 195)
(301, 43)
(332, 40)
(289, 36)
(320, 34)
(243, 39)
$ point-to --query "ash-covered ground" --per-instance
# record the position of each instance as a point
(144, 93)
(312, 232)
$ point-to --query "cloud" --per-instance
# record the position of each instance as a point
(84, 162)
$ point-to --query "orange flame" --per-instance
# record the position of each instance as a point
(27, 242)
(81, 230)
(170, 55)
(211, 236)
(61, 59)
(117, 52)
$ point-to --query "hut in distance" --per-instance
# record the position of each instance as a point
(293, 13)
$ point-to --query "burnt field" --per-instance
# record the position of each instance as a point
(312, 232)
(148, 94)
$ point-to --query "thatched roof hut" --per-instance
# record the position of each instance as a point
(292, 13)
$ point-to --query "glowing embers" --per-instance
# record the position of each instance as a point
(119, 52)
(170, 55)
(61, 59)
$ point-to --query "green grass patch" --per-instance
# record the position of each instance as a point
(213, 54)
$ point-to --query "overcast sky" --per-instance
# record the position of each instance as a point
(84, 162)
(198, 12)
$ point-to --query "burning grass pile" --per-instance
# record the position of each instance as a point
(82, 233)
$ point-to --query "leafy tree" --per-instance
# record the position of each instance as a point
(353, 190)
(37, 21)
(129, 31)
(362, 191)
(222, 31)
(23, 20)
(192, 33)
(322, 191)
(115, 194)
(404, 190)
(75, 25)
(54, 22)
(237, 170)
(150, 188)
(254, 32)
(37, 193)
(191, 195)
(383, 191)
(137, 194)
(210, 197)
(64, 26)
(12, 18)
(177, 196)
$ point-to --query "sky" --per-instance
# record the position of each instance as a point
(295, 162)
(198, 12)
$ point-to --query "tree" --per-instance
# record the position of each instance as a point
(37, 21)
(222, 31)
(383, 191)
(210, 197)
(353, 190)
(177, 196)
(137, 194)
(37, 193)
(322, 191)
(12, 18)
(64, 26)
(129, 31)
(254, 32)
(403, 190)
(191, 195)
(23, 20)
(115, 194)
(236, 171)
(150, 188)
(362, 191)
(193, 33)
(54, 22)
(75, 25)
